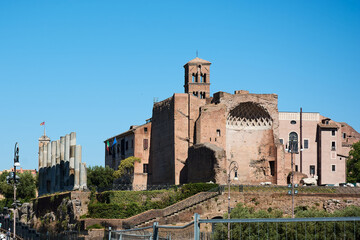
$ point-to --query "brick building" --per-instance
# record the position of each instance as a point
(194, 137)
(134, 142)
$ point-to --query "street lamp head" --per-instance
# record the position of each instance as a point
(235, 176)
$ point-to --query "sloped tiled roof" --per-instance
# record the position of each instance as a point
(198, 60)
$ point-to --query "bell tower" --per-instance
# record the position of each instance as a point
(197, 78)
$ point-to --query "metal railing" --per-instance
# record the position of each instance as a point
(268, 228)
(242, 188)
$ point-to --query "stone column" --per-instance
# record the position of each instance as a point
(62, 148)
(48, 163)
(72, 149)
(67, 161)
(57, 167)
(48, 169)
(41, 166)
(53, 165)
(77, 163)
(62, 163)
(44, 176)
(83, 176)
(71, 161)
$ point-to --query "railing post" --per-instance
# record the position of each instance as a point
(196, 226)
(109, 233)
(155, 231)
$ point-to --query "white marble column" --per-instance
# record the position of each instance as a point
(83, 176)
(67, 161)
(53, 165)
(77, 163)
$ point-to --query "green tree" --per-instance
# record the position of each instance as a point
(100, 177)
(353, 164)
(126, 166)
(27, 186)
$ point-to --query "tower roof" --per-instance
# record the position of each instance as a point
(197, 61)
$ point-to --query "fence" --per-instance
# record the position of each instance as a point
(270, 228)
(242, 188)
(25, 232)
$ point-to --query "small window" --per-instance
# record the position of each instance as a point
(327, 122)
(201, 78)
(146, 144)
(218, 132)
(312, 170)
(333, 146)
(296, 168)
(281, 141)
(306, 143)
(193, 78)
(332, 132)
(333, 168)
(145, 130)
(132, 143)
(293, 122)
(205, 78)
(344, 135)
(145, 168)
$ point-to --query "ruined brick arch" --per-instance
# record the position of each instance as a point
(249, 115)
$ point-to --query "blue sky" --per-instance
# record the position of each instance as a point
(94, 67)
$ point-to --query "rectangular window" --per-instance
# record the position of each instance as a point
(145, 130)
(296, 168)
(122, 147)
(145, 168)
(333, 146)
(332, 132)
(218, 133)
(281, 141)
(146, 144)
(312, 170)
(344, 135)
(306, 143)
(132, 143)
(333, 168)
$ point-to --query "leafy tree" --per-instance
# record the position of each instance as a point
(126, 166)
(27, 186)
(100, 177)
(353, 164)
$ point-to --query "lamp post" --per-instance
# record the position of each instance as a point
(292, 148)
(16, 164)
(233, 166)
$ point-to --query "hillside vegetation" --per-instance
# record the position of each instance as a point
(124, 204)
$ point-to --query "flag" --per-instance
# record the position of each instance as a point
(107, 145)
(114, 142)
(43, 123)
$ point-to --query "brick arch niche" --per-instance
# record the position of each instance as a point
(248, 115)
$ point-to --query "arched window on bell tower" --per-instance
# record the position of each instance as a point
(197, 78)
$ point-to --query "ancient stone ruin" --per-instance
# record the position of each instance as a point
(60, 166)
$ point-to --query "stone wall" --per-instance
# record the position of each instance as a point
(161, 161)
(206, 162)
